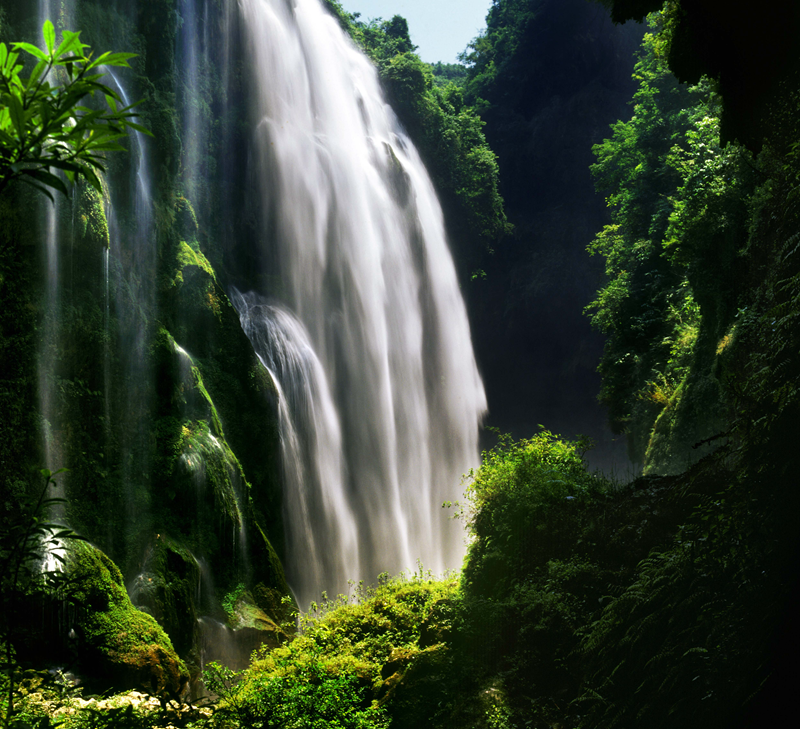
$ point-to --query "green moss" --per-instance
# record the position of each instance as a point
(168, 590)
(191, 256)
(201, 388)
(209, 458)
(186, 219)
(93, 225)
(128, 643)
(201, 290)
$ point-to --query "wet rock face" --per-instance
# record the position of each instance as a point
(167, 588)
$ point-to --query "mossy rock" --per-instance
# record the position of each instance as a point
(92, 230)
(679, 436)
(167, 590)
(118, 645)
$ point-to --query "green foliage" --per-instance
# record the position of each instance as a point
(229, 601)
(602, 605)
(343, 667)
(678, 203)
(45, 126)
(309, 697)
(487, 55)
(446, 73)
(521, 487)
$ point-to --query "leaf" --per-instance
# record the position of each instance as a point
(139, 128)
(48, 178)
(89, 174)
(108, 147)
(64, 165)
(111, 59)
(34, 77)
(41, 189)
(17, 114)
(49, 33)
(32, 49)
(10, 69)
(69, 41)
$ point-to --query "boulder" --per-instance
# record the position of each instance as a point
(117, 645)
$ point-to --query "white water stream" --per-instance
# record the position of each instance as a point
(369, 341)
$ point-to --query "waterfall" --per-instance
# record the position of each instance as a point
(47, 361)
(317, 506)
(192, 48)
(134, 271)
(367, 337)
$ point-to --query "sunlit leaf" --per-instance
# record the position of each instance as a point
(69, 42)
(49, 33)
(32, 49)
(116, 59)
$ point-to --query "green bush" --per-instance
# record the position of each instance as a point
(344, 670)
(525, 509)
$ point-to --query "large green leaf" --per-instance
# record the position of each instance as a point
(36, 74)
(70, 41)
(17, 114)
(49, 33)
(48, 178)
(32, 49)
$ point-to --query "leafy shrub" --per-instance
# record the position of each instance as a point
(524, 509)
(337, 672)
(306, 695)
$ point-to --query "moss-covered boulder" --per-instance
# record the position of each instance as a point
(167, 588)
(117, 645)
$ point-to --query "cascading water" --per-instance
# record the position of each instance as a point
(47, 363)
(316, 500)
(370, 344)
(192, 52)
(134, 271)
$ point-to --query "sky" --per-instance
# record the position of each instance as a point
(441, 28)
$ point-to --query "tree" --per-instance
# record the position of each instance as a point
(43, 122)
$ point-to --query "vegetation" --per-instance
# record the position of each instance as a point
(582, 602)
(445, 73)
(23, 544)
(547, 78)
(44, 126)
(125, 289)
(679, 217)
